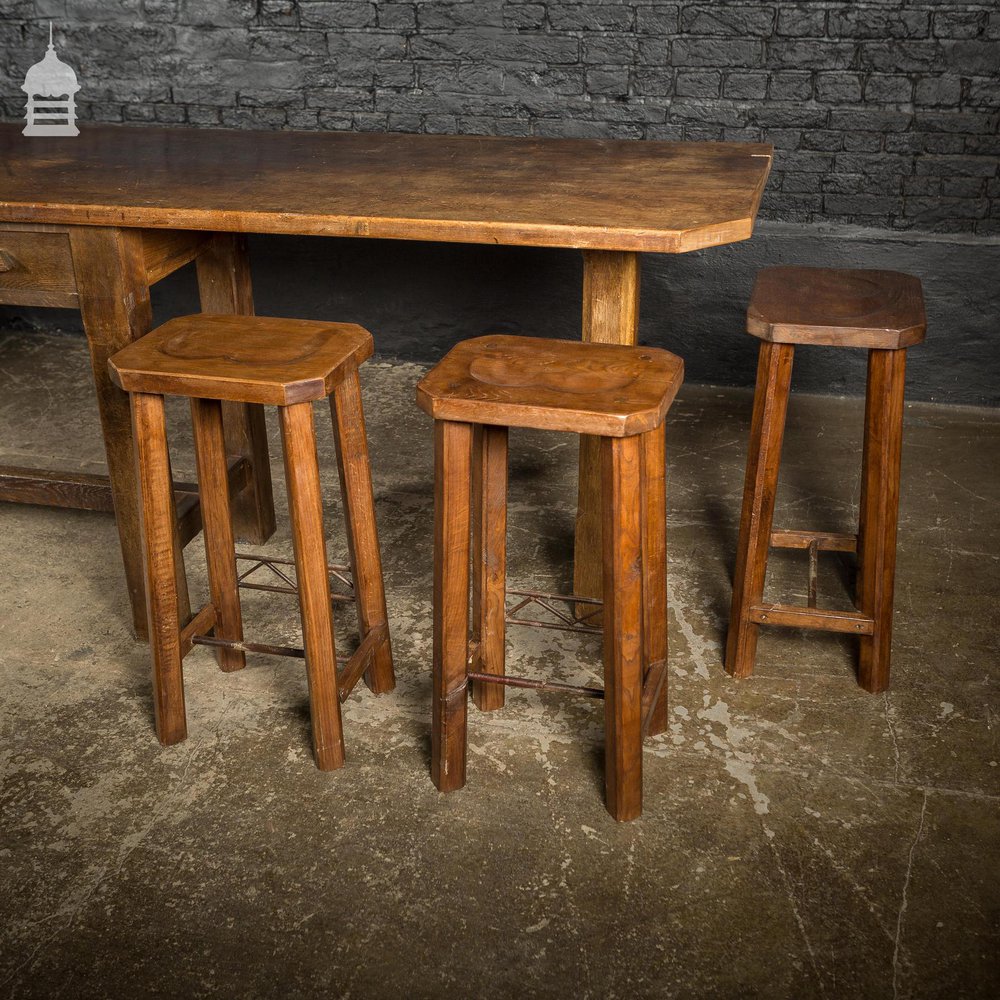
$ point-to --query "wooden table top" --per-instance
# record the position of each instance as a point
(665, 197)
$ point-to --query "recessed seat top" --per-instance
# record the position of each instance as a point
(560, 385)
(839, 308)
(248, 359)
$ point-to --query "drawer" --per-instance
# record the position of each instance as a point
(36, 269)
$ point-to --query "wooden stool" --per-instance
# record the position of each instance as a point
(287, 363)
(882, 311)
(620, 394)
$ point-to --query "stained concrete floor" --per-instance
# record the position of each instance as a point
(800, 838)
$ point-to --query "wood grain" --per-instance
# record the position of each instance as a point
(610, 316)
(557, 385)
(826, 541)
(760, 486)
(824, 619)
(489, 561)
(362, 530)
(260, 359)
(305, 502)
(837, 307)
(883, 444)
(623, 631)
(224, 286)
(114, 303)
(166, 250)
(36, 269)
(220, 545)
(159, 561)
(53, 488)
(452, 475)
(654, 570)
(664, 197)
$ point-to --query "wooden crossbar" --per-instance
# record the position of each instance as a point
(203, 621)
(656, 678)
(360, 661)
(351, 670)
(826, 541)
(792, 616)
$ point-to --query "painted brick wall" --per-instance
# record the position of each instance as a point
(884, 112)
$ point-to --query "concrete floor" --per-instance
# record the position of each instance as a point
(801, 838)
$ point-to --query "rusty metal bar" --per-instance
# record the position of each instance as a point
(565, 622)
(525, 682)
(336, 572)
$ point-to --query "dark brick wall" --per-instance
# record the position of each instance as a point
(883, 112)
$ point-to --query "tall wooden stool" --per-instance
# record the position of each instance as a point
(620, 394)
(287, 363)
(882, 311)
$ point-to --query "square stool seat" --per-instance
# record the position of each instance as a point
(252, 359)
(607, 390)
(837, 307)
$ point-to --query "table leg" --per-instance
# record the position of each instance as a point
(610, 316)
(224, 287)
(114, 302)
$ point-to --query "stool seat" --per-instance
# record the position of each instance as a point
(560, 385)
(881, 310)
(250, 359)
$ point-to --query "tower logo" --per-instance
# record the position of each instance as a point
(51, 86)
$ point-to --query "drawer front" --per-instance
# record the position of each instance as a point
(36, 269)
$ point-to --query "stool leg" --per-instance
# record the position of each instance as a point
(159, 557)
(489, 560)
(654, 573)
(305, 502)
(879, 511)
(362, 532)
(452, 472)
(220, 547)
(621, 534)
(767, 428)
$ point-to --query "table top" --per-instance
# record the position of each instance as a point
(666, 197)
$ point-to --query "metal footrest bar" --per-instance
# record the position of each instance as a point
(563, 621)
(351, 669)
(282, 570)
(655, 679)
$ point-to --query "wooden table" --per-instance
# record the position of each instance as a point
(91, 222)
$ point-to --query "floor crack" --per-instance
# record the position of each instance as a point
(901, 916)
